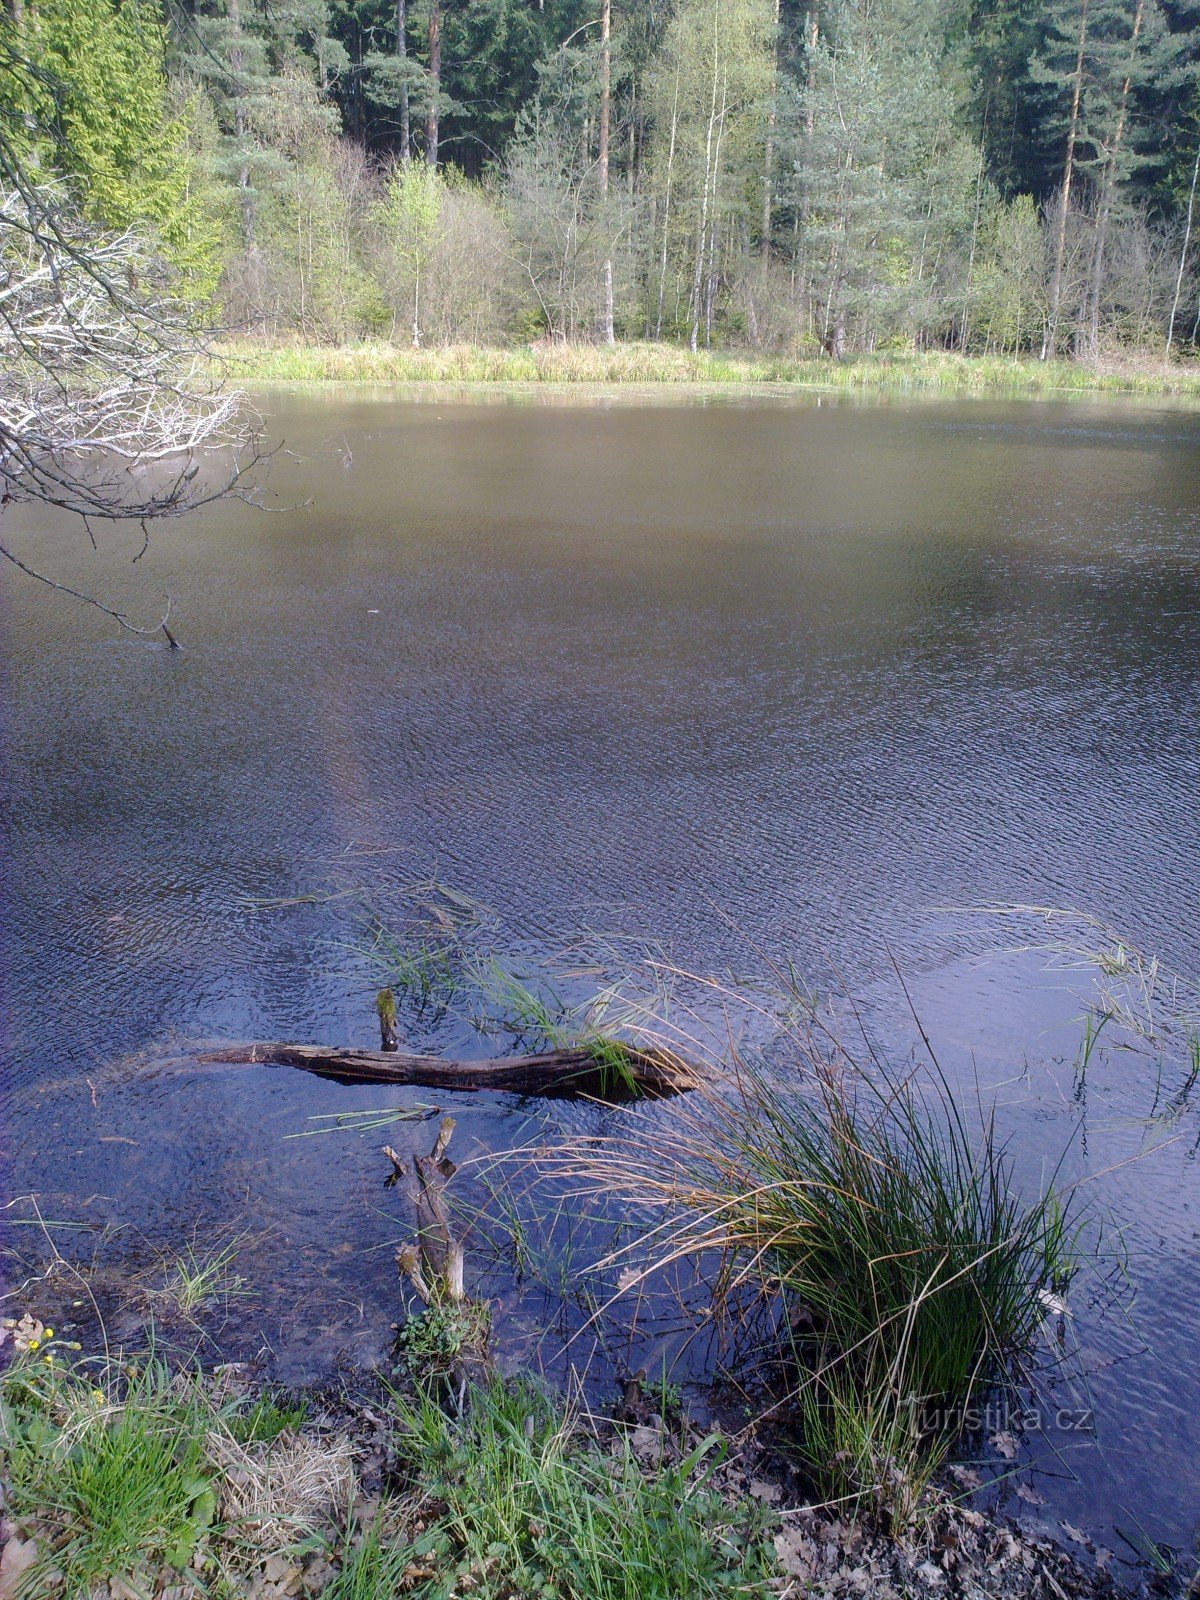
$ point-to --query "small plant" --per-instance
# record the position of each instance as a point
(371, 1569)
(873, 1211)
(435, 1342)
(196, 1278)
(113, 1481)
(268, 1418)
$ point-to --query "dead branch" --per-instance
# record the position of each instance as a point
(617, 1072)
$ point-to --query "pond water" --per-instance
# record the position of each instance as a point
(752, 681)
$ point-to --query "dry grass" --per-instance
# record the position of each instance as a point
(277, 1492)
(664, 365)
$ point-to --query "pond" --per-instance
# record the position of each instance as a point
(745, 681)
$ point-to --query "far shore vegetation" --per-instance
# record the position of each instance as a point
(655, 365)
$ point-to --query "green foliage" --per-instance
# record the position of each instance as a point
(533, 1507)
(269, 1416)
(436, 1340)
(861, 178)
(373, 1568)
(108, 121)
(120, 1471)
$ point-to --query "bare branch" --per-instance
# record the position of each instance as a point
(108, 403)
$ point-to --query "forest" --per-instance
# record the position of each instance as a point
(984, 176)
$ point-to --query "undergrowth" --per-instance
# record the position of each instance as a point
(527, 1503)
(138, 1481)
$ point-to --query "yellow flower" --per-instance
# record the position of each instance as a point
(99, 1396)
(49, 1333)
(33, 1343)
(48, 1359)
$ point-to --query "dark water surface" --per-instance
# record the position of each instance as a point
(755, 680)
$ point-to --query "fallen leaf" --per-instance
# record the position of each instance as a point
(16, 1559)
(1004, 1444)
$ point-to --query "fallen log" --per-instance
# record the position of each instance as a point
(612, 1072)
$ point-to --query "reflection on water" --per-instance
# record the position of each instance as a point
(751, 679)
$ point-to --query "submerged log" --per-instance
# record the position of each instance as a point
(615, 1072)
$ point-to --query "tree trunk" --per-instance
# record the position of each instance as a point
(662, 266)
(810, 86)
(246, 201)
(1096, 284)
(769, 152)
(1050, 341)
(605, 118)
(702, 230)
(435, 82)
(965, 326)
(1183, 254)
(402, 55)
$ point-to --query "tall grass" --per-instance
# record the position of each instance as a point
(659, 364)
(909, 1275)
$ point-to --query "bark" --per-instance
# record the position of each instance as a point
(702, 231)
(435, 1268)
(1060, 239)
(435, 82)
(236, 62)
(666, 230)
(965, 327)
(577, 1070)
(810, 87)
(769, 152)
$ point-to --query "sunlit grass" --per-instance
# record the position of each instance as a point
(124, 1469)
(116, 1475)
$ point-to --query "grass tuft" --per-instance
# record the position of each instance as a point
(120, 1482)
(908, 1272)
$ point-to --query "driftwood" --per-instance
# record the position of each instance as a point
(456, 1350)
(434, 1265)
(619, 1073)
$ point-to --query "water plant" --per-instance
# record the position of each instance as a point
(197, 1277)
(907, 1273)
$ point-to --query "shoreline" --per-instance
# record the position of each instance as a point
(370, 1483)
(636, 370)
